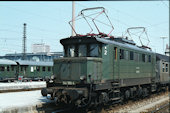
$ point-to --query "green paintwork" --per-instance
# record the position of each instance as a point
(104, 68)
(11, 69)
(8, 74)
(71, 69)
(107, 63)
(31, 71)
(122, 68)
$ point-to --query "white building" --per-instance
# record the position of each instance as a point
(39, 48)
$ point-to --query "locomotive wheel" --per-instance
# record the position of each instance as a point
(61, 103)
(145, 92)
(139, 93)
(127, 95)
(83, 102)
(122, 99)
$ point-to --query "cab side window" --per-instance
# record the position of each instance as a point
(146, 58)
(143, 57)
(49, 68)
(43, 68)
(2, 68)
(126, 55)
(149, 58)
(131, 55)
(136, 56)
(7, 68)
(38, 68)
(12, 68)
(121, 54)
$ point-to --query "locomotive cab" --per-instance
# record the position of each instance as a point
(81, 63)
(76, 73)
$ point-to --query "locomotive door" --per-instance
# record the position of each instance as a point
(65, 71)
(115, 64)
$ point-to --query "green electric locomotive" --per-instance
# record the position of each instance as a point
(101, 69)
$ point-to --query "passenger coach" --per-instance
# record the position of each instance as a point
(8, 70)
(31, 70)
(25, 70)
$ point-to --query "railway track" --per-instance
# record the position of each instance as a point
(51, 108)
(138, 105)
(161, 109)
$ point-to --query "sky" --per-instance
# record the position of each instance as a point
(47, 22)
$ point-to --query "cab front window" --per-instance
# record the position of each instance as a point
(94, 50)
(82, 50)
(71, 51)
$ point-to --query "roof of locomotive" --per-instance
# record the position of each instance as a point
(78, 39)
(122, 44)
(7, 62)
(106, 40)
(162, 57)
(34, 63)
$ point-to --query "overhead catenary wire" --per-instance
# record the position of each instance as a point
(31, 13)
(133, 17)
(149, 25)
(157, 24)
(9, 30)
(50, 32)
(109, 17)
(46, 33)
(136, 18)
(122, 23)
(30, 26)
(123, 12)
(164, 3)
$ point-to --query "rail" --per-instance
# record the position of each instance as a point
(158, 109)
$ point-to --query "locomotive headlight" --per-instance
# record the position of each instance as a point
(52, 77)
(82, 78)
